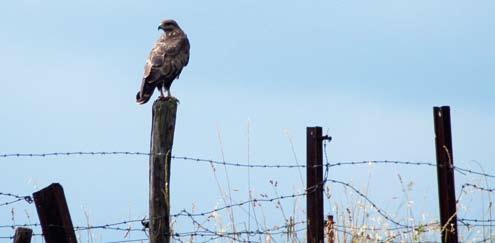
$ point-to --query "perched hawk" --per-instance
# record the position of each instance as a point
(165, 62)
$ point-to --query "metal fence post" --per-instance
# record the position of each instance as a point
(314, 186)
(445, 174)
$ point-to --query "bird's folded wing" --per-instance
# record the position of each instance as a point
(167, 58)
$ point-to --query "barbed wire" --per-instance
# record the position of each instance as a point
(200, 233)
(474, 223)
(12, 236)
(381, 228)
(463, 170)
(53, 154)
(18, 198)
(275, 230)
(210, 161)
(465, 185)
(288, 228)
(114, 226)
(13, 226)
(476, 220)
(362, 195)
(238, 164)
(477, 187)
(422, 230)
(405, 230)
(254, 200)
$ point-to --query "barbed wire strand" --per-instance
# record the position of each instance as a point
(237, 164)
(272, 231)
(18, 198)
(362, 195)
(478, 187)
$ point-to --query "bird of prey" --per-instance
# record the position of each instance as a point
(167, 58)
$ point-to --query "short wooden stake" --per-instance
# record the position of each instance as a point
(162, 137)
(23, 235)
(54, 215)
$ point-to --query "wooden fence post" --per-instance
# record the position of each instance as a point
(54, 215)
(314, 187)
(23, 235)
(162, 137)
(445, 174)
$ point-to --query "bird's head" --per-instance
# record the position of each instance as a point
(168, 25)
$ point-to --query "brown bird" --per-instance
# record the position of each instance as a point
(165, 62)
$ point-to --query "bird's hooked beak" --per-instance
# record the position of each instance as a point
(160, 27)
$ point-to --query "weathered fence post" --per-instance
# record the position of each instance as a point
(445, 174)
(162, 137)
(314, 186)
(23, 235)
(54, 215)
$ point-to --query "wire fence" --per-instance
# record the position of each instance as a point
(207, 234)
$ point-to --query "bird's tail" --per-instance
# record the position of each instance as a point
(145, 93)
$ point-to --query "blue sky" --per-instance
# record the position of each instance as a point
(368, 71)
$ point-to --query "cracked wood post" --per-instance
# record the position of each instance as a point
(54, 215)
(162, 137)
(23, 235)
(445, 174)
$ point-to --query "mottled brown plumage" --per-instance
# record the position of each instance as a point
(167, 58)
